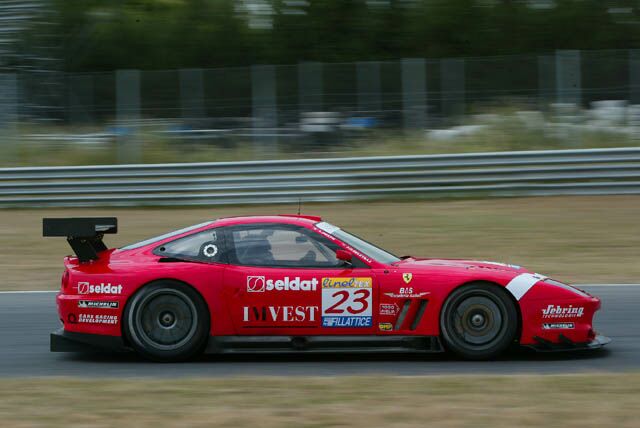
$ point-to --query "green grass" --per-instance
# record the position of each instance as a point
(580, 401)
(506, 133)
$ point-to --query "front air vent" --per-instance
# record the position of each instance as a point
(419, 314)
(403, 314)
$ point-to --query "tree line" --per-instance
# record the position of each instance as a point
(94, 35)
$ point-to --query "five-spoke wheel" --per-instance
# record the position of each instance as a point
(479, 321)
(167, 321)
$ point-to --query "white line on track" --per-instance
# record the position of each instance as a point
(605, 285)
(28, 292)
(577, 285)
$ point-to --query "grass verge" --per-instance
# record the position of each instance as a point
(504, 132)
(480, 401)
(575, 239)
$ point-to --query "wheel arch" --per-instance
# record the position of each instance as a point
(123, 322)
(485, 282)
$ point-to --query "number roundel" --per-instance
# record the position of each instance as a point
(354, 303)
(346, 302)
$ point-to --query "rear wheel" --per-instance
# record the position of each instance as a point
(167, 321)
(479, 321)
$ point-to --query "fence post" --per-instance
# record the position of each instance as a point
(191, 93)
(310, 86)
(368, 84)
(414, 93)
(128, 115)
(546, 81)
(452, 87)
(568, 79)
(265, 113)
(8, 114)
(634, 76)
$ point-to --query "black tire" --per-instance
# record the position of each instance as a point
(479, 321)
(167, 321)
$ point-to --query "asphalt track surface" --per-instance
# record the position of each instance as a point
(26, 319)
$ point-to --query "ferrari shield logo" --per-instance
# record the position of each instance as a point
(407, 277)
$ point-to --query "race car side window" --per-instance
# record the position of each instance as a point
(206, 246)
(281, 245)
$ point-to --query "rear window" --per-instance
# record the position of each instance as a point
(165, 236)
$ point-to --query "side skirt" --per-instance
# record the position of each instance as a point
(66, 341)
(322, 344)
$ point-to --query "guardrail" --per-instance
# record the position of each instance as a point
(558, 172)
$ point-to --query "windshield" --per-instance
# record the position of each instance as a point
(367, 248)
(165, 236)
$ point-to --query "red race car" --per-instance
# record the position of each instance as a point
(293, 283)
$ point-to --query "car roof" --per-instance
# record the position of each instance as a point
(302, 220)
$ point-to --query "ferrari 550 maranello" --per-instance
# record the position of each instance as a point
(295, 283)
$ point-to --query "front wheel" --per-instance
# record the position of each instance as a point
(479, 321)
(167, 321)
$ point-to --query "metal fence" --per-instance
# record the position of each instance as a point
(273, 106)
(561, 172)
(409, 92)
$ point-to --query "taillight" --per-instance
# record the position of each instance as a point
(65, 280)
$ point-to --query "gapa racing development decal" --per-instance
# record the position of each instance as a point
(346, 302)
(93, 319)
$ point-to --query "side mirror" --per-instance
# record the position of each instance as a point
(343, 255)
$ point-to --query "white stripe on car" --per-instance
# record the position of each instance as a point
(522, 283)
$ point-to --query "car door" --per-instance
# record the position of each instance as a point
(285, 279)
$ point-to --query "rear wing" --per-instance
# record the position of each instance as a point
(84, 234)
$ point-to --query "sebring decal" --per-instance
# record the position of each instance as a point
(280, 314)
(98, 304)
(102, 288)
(346, 302)
(558, 325)
(406, 277)
(406, 293)
(522, 283)
(557, 311)
(258, 284)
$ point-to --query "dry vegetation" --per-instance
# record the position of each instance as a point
(577, 239)
(580, 401)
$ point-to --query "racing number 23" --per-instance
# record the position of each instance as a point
(355, 302)
(346, 302)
